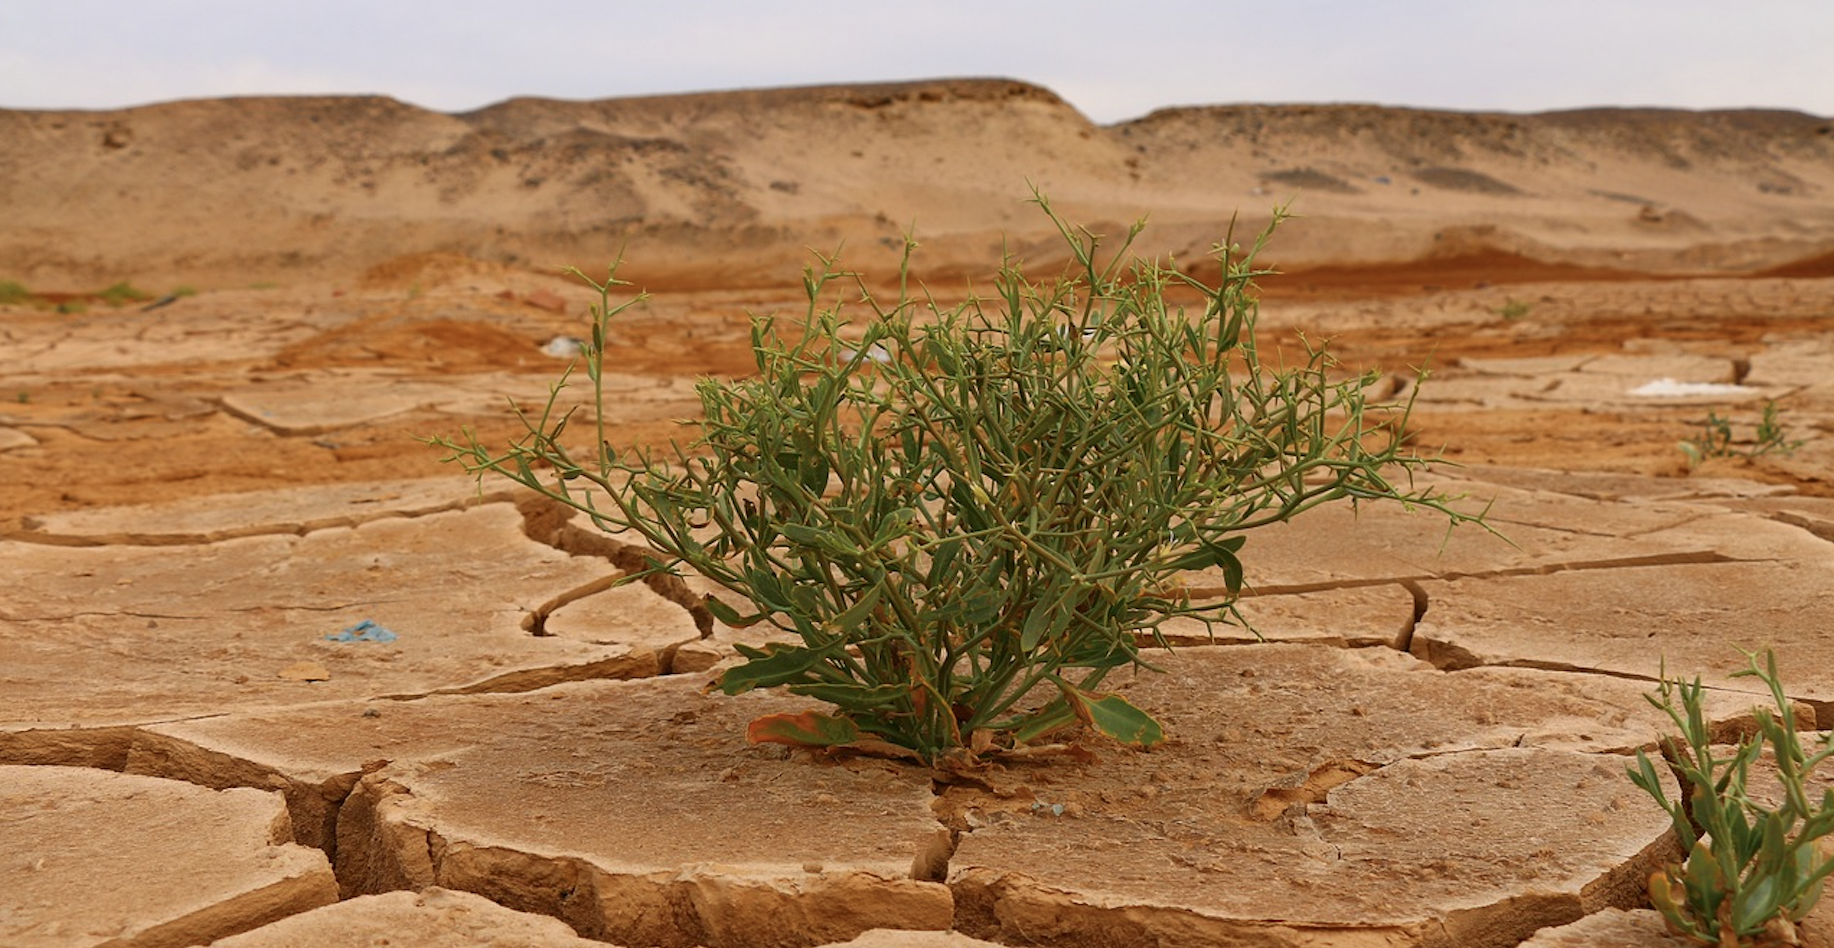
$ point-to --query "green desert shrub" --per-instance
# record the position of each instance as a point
(1752, 870)
(964, 517)
(12, 291)
(1716, 439)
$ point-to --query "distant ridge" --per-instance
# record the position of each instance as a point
(735, 188)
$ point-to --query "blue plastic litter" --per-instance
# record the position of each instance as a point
(365, 631)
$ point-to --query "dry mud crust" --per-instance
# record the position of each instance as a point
(430, 918)
(93, 858)
(1392, 802)
(458, 590)
(632, 810)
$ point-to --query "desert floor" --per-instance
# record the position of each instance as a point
(212, 506)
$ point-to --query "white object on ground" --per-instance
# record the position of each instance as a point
(1669, 388)
(876, 353)
(564, 347)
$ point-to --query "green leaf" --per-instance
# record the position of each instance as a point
(853, 697)
(1766, 839)
(1704, 805)
(1222, 554)
(1107, 650)
(897, 524)
(1662, 896)
(942, 559)
(817, 539)
(730, 616)
(767, 590)
(775, 664)
(810, 603)
(804, 729)
(851, 620)
(939, 350)
(983, 605)
(1053, 715)
(1705, 883)
(812, 471)
(1755, 904)
(1814, 869)
(1644, 776)
(1048, 618)
(803, 535)
(1114, 716)
(1745, 836)
(966, 506)
(1232, 566)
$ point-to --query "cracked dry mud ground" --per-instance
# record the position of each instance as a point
(1427, 748)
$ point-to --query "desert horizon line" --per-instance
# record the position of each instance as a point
(938, 81)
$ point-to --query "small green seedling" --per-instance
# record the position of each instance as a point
(965, 517)
(1752, 871)
(1716, 439)
(121, 294)
(1513, 309)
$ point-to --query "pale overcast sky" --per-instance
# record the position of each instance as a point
(1112, 60)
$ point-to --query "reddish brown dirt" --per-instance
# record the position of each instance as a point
(128, 452)
(1466, 271)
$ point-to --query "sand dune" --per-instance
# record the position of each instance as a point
(733, 189)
